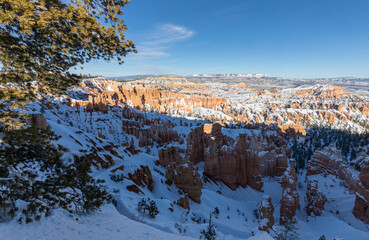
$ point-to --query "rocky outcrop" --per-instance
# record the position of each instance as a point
(361, 208)
(134, 188)
(186, 177)
(329, 161)
(97, 103)
(290, 197)
(315, 199)
(241, 162)
(148, 131)
(266, 210)
(142, 177)
(38, 120)
(183, 202)
(169, 155)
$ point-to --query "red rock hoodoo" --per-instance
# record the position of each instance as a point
(186, 177)
(266, 218)
(315, 199)
(290, 197)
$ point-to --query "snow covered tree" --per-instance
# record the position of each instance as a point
(153, 209)
(35, 178)
(142, 205)
(210, 232)
(40, 42)
(149, 206)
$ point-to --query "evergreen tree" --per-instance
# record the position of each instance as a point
(149, 206)
(210, 232)
(153, 209)
(40, 42)
(142, 205)
(32, 169)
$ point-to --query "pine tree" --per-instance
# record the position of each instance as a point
(41, 41)
(32, 169)
(142, 205)
(209, 233)
(153, 209)
(149, 206)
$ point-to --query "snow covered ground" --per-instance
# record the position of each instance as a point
(236, 220)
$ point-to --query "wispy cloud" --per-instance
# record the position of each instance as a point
(232, 10)
(156, 43)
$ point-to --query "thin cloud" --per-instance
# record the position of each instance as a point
(155, 43)
(238, 8)
(148, 52)
(168, 33)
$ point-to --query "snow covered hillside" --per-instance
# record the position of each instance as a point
(154, 146)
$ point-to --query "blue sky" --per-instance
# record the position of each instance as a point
(283, 38)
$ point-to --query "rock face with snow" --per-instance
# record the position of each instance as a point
(241, 162)
(168, 155)
(315, 199)
(183, 202)
(290, 197)
(97, 103)
(266, 210)
(142, 177)
(329, 161)
(186, 177)
(147, 131)
(361, 208)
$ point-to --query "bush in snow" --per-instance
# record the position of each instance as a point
(117, 177)
(145, 205)
(209, 233)
(216, 212)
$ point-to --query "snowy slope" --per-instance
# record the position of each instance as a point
(237, 220)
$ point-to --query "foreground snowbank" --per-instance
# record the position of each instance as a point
(107, 224)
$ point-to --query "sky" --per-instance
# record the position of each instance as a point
(282, 38)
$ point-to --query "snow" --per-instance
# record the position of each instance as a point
(236, 219)
(107, 224)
